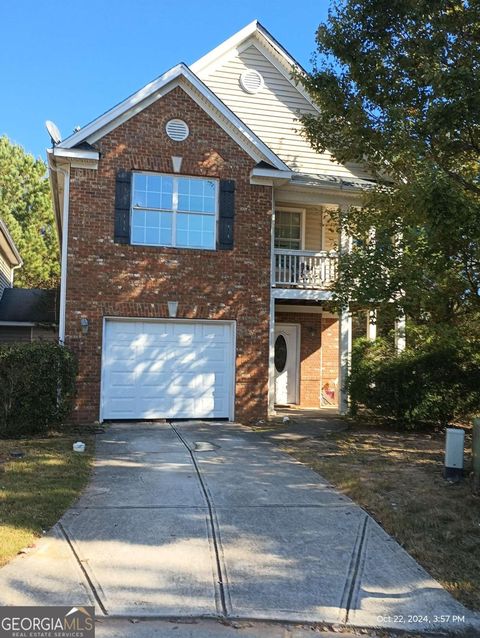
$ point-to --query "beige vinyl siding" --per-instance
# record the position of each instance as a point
(313, 228)
(5, 274)
(272, 112)
(331, 233)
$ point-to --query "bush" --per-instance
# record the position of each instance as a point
(433, 383)
(37, 385)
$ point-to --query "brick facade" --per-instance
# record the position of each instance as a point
(108, 279)
(318, 356)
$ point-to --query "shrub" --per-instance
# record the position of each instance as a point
(432, 383)
(37, 385)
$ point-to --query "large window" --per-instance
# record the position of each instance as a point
(168, 210)
(288, 229)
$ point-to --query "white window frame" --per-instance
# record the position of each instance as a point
(292, 209)
(175, 177)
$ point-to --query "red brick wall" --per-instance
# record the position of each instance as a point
(108, 279)
(318, 354)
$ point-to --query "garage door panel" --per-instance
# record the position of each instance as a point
(167, 370)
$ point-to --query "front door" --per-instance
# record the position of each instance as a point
(286, 363)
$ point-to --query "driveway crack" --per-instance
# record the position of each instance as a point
(212, 517)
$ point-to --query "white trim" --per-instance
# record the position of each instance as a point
(233, 369)
(259, 175)
(298, 341)
(75, 153)
(63, 252)
(149, 93)
(292, 293)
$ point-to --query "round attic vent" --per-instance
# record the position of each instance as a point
(177, 130)
(251, 81)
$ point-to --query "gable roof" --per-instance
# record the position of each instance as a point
(182, 76)
(253, 32)
(273, 112)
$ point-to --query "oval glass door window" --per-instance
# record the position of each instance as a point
(280, 353)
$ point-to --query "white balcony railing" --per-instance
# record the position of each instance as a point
(304, 268)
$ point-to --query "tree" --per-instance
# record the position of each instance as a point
(397, 83)
(26, 208)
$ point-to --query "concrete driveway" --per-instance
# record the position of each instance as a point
(209, 519)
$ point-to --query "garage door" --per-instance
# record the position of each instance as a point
(167, 369)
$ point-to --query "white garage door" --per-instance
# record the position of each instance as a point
(167, 369)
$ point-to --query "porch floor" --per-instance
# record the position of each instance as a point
(303, 423)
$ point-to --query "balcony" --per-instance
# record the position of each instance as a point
(305, 269)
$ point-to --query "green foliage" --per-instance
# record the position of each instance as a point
(397, 85)
(37, 385)
(25, 206)
(434, 382)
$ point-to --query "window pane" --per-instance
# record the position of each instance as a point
(152, 219)
(167, 184)
(183, 202)
(152, 191)
(197, 195)
(152, 227)
(166, 220)
(195, 231)
(138, 235)
(140, 181)
(153, 199)
(288, 230)
(184, 186)
(196, 187)
(151, 236)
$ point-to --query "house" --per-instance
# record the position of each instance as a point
(10, 258)
(199, 245)
(28, 314)
(25, 314)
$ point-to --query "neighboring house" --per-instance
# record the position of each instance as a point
(25, 314)
(198, 248)
(28, 314)
(9, 258)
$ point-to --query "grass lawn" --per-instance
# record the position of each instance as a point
(36, 489)
(397, 478)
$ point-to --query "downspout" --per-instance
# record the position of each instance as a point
(63, 252)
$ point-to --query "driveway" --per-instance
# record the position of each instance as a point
(209, 519)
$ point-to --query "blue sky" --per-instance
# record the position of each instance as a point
(71, 61)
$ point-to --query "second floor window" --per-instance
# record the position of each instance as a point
(288, 230)
(171, 210)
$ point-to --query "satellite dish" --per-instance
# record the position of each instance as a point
(53, 131)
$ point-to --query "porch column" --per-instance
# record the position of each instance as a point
(345, 327)
(271, 357)
(400, 337)
(345, 353)
(271, 333)
(372, 325)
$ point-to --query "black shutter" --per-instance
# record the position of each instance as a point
(123, 188)
(226, 214)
